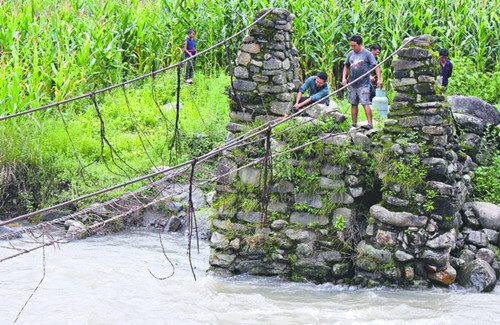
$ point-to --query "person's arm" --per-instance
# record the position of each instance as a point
(302, 89)
(378, 72)
(186, 47)
(297, 100)
(304, 103)
(345, 72)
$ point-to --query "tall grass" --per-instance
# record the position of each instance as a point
(54, 49)
(56, 158)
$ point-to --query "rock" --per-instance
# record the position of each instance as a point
(304, 250)
(486, 255)
(384, 237)
(476, 107)
(329, 170)
(406, 65)
(403, 256)
(229, 226)
(219, 241)
(308, 218)
(369, 258)
(362, 140)
(487, 213)
(470, 123)
(477, 238)
(343, 198)
(467, 255)
(249, 176)
(398, 219)
(328, 184)
(174, 224)
(282, 187)
(356, 191)
(331, 256)
(436, 258)
(275, 206)
(341, 270)
(244, 85)
(4, 230)
(415, 53)
(243, 58)
(311, 200)
(278, 225)
(74, 228)
(250, 48)
(55, 214)
(299, 235)
(221, 259)
(446, 240)
(240, 72)
(493, 236)
(445, 277)
(312, 269)
(479, 275)
(252, 217)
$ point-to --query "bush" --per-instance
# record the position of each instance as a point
(487, 183)
(468, 81)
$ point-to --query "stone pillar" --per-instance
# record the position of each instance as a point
(266, 74)
(412, 232)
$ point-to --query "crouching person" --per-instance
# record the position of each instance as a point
(317, 87)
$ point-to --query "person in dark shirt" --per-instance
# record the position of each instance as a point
(318, 88)
(358, 62)
(189, 50)
(446, 69)
(375, 50)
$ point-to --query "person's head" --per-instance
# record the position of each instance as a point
(191, 33)
(375, 49)
(356, 43)
(321, 79)
(443, 56)
(443, 53)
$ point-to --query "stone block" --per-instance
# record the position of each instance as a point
(398, 219)
(243, 58)
(250, 48)
(308, 218)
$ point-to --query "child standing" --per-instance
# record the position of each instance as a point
(446, 69)
(189, 50)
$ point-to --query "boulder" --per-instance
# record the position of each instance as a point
(398, 219)
(445, 277)
(479, 275)
(488, 214)
(4, 230)
(476, 107)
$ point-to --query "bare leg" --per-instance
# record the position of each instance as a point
(354, 113)
(368, 112)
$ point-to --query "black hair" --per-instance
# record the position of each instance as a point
(322, 75)
(357, 38)
(374, 47)
(443, 52)
(190, 31)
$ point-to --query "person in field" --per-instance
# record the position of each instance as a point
(446, 69)
(189, 50)
(358, 62)
(375, 51)
(317, 87)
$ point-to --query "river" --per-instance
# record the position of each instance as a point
(105, 280)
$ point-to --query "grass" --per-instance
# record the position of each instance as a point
(42, 140)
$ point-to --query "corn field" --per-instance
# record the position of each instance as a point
(52, 49)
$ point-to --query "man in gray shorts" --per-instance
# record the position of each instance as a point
(359, 61)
